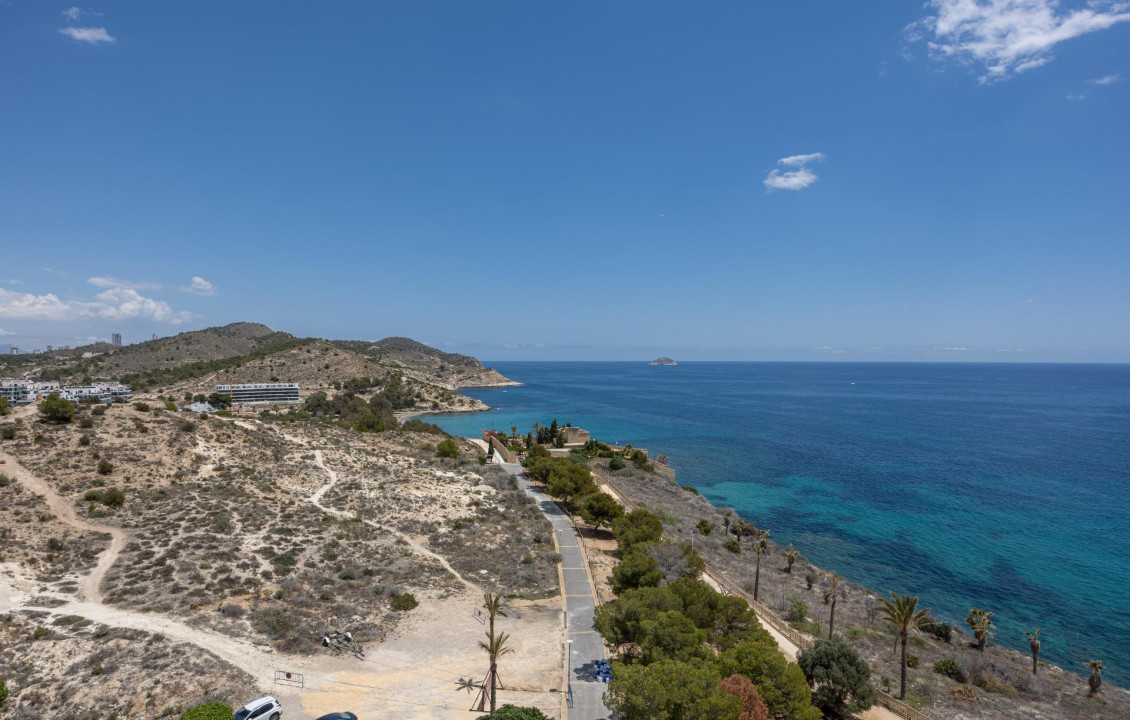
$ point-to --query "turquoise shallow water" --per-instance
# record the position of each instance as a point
(1001, 486)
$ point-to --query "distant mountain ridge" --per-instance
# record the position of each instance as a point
(253, 352)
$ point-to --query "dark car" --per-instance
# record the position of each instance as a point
(339, 716)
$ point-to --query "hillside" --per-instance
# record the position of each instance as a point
(251, 352)
(192, 557)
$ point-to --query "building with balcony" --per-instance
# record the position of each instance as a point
(261, 393)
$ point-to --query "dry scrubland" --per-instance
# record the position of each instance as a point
(1001, 679)
(260, 533)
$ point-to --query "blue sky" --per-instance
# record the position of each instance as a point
(582, 180)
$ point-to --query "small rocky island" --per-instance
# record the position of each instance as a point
(663, 361)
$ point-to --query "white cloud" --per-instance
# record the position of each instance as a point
(112, 282)
(1095, 83)
(113, 304)
(89, 35)
(200, 286)
(800, 160)
(5, 332)
(74, 14)
(796, 179)
(952, 349)
(1007, 37)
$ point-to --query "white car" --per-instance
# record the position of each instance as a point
(265, 708)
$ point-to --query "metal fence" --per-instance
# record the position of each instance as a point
(771, 619)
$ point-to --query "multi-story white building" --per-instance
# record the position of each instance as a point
(25, 391)
(260, 393)
(102, 392)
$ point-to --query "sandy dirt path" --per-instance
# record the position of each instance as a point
(89, 586)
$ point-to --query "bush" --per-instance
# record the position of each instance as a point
(98, 410)
(704, 527)
(105, 467)
(841, 678)
(941, 631)
(798, 610)
(733, 546)
(113, 497)
(447, 448)
(912, 660)
(84, 440)
(209, 711)
(3, 691)
(950, 669)
(56, 411)
(8, 431)
(404, 602)
(616, 464)
(232, 610)
(86, 422)
(171, 406)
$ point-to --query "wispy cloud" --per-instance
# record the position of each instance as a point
(200, 286)
(89, 35)
(952, 349)
(74, 14)
(114, 304)
(1007, 37)
(53, 271)
(797, 177)
(1095, 83)
(112, 282)
(5, 332)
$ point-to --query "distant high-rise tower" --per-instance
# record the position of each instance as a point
(15, 350)
(50, 348)
(116, 339)
(154, 336)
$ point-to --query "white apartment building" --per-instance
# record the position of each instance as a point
(261, 393)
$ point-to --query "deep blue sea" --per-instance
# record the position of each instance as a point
(1005, 486)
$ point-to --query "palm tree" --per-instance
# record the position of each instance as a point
(1096, 680)
(980, 622)
(790, 556)
(902, 612)
(496, 648)
(726, 519)
(831, 594)
(761, 547)
(1034, 646)
(493, 604)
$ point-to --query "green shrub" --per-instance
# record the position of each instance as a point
(113, 497)
(798, 609)
(404, 602)
(841, 678)
(5, 481)
(950, 669)
(942, 631)
(616, 464)
(8, 431)
(734, 546)
(704, 527)
(98, 410)
(84, 440)
(171, 406)
(912, 660)
(3, 693)
(447, 448)
(209, 711)
(56, 411)
(141, 406)
(105, 467)
(86, 422)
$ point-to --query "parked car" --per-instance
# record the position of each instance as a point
(265, 708)
(339, 716)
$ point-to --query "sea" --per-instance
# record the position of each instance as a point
(1001, 486)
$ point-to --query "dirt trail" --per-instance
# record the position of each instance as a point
(89, 586)
(316, 499)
